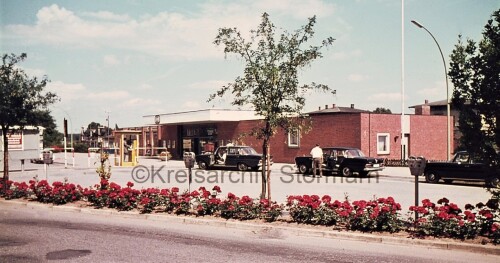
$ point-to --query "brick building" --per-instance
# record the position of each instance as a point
(375, 134)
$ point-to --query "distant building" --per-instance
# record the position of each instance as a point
(439, 108)
(375, 134)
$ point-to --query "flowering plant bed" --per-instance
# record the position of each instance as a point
(382, 215)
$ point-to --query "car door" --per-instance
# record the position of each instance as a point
(475, 170)
(233, 156)
(461, 166)
(330, 159)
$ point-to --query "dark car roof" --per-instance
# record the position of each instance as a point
(341, 148)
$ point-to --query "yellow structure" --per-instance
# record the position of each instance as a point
(128, 147)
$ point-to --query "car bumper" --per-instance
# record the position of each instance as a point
(373, 169)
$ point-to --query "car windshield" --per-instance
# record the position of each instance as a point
(354, 153)
(247, 150)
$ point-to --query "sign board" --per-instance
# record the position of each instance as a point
(15, 140)
(186, 144)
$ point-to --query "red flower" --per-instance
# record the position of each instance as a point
(130, 184)
(443, 201)
(175, 189)
(427, 203)
(145, 201)
(495, 227)
(216, 188)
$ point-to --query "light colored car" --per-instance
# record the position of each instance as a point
(163, 155)
(47, 151)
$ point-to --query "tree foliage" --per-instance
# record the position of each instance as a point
(475, 73)
(22, 99)
(51, 136)
(382, 110)
(270, 76)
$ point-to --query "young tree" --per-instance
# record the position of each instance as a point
(21, 100)
(475, 71)
(270, 79)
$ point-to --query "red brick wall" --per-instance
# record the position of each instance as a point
(428, 136)
(372, 124)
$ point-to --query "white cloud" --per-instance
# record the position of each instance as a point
(145, 87)
(342, 55)
(166, 33)
(209, 85)
(141, 102)
(357, 77)
(385, 97)
(106, 15)
(34, 72)
(437, 90)
(67, 92)
(111, 60)
(112, 95)
(191, 104)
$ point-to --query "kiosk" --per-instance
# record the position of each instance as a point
(128, 147)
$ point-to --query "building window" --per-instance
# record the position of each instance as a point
(383, 143)
(293, 139)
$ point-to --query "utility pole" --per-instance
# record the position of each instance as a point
(107, 131)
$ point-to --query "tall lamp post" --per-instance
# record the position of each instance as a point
(448, 133)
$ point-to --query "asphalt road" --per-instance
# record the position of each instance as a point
(38, 234)
(395, 182)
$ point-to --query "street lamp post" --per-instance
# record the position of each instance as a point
(448, 132)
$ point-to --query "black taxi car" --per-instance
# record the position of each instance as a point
(241, 157)
(463, 167)
(344, 161)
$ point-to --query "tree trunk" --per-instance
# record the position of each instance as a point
(268, 170)
(264, 171)
(5, 159)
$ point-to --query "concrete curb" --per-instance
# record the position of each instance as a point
(373, 238)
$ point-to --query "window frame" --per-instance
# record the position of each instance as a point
(387, 143)
(295, 133)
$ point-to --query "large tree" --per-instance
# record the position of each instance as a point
(51, 136)
(270, 78)
(475, 73)
(22, 99)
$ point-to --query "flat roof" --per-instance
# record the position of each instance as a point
(201, 116)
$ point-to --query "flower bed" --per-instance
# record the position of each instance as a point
(444, 219)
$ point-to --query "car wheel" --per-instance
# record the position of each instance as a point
(494, 182)
(303, 169)
(346, 171)
(242, 167)
(202, 165)
(431, 177)
(448, 181)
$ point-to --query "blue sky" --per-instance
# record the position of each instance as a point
(133, 58)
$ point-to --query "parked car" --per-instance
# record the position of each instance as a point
(344, 161)
(40, 159)
(463, 167)
(164, 155)
(240, 157)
